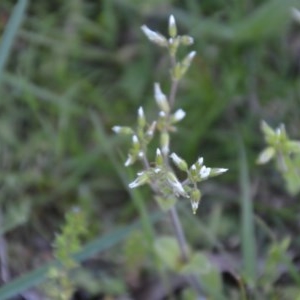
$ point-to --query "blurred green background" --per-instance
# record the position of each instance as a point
(73, 69)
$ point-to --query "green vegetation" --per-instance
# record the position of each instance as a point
(71, 70)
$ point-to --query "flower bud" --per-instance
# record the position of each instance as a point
(135, 142)
(179, 162)
(142, 178)
(185, 64)
(172, 27)
(155, 37)
(176, 185)
(159, 159)
(218, 171)
(122, 130)
(130, 160)
(161, 98)
(194, 173)
(199, 162)
(186, 40)
(165, 143)
(195, 199)
(150, 130)
(141, 118)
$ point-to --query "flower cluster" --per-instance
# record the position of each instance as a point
(159, 174)
(286, 153)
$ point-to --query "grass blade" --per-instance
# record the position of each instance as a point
(10, 32)
(247, 221)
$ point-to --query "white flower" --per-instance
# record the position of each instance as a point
(204, 172)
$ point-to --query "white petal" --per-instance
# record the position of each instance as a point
(179, 115)
(200, 161)
(175, 158)
(141, 112)
(116, 129)
(220, 170)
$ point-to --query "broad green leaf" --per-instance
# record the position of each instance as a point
(208, 274)
(198, 264)
(168, 252)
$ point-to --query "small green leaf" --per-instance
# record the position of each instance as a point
(276, 256)
(168, 252)
(292, 182)
(293, 146)
(267, 130)
(209, 275)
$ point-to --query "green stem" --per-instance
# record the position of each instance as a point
(179, 233)
(177, 226)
